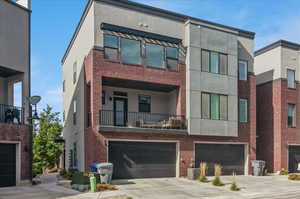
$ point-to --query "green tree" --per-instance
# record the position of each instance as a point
(46, 151)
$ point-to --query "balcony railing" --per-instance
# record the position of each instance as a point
(11, 114)
(142, 120)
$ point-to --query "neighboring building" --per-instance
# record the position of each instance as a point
(278, 136)
(14, 69)
(154, 92)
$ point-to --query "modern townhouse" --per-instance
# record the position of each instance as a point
(278, 136)
(14, 68)
(156, 92)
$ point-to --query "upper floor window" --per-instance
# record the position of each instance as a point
(243, 70)
(291, 116)
(243, 110)
(291, 78)
(172, 58)
(111, 46)
(74, 112)
(144, 104)
(214, 62)
(74, 72)
(155, 55)
(214, 106)
(130, 51)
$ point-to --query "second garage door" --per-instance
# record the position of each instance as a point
(230, 156)
(142, 159)
(7, 165)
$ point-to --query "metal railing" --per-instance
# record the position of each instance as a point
(142, 120)
(11, 114)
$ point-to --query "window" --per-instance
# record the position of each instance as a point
(64, 85)
(243, 70)
(130, 51)
(172, 58)
(243, 110)
(75, 160)
(214, 106)
(74, 111)
(144, 104)
(291, 116)
(111, 46)
(154, 55)
(103, 98)
(74, 72)
(291, 78)
(214, 62)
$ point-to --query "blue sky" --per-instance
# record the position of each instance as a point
(53, 23)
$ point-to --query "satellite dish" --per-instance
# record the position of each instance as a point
(34, 100)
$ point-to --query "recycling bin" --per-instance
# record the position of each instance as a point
(105, 170)
(258, 167)
(93, 166)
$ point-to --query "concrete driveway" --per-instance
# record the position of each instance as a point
(278, 187)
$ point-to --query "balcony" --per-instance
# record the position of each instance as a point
(11, 114)
(138, 121)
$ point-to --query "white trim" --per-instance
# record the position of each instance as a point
(162, 141)
(18, 158)
(246, 151)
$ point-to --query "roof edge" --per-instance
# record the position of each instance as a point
(18, 5)
(282, 43)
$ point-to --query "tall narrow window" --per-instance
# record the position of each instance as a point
(74, 112)
(74, 72)
(214, 107)
(75, 160)
(223, 107)
(291, 78)
(205, 60)
(111, 45)
(214, 62)
(103, 98)
(155, 55)
(291, 116)
(243, 110)
(205, 106)
(144, 104)
(223, 64)
(172, 58)
(130, 51)
(243, 70)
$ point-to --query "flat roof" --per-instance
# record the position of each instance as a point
(18, 5)
(282, 43)
(153, 11)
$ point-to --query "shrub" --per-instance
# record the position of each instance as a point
(283, 171)
(203, 170)
(217, 182)
(294, 176)
(203, 179)
(234, 187)
(62, 172)
(218, 172)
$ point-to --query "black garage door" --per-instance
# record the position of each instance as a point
(7, 165)
(142, 159)
(294, 159)
(230, 156)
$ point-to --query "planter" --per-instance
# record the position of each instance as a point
(193, 173)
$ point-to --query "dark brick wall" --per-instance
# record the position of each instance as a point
(18, 133)
(97, 67)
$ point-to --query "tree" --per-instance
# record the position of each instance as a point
(46, 151)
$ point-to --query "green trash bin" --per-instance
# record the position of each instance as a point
(93, 183)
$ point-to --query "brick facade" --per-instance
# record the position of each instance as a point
(18, 133)
(97, 67)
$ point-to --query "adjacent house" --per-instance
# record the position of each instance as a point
(156, 92)
(278, 136)
(14, 69)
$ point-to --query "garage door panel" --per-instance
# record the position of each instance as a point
(142, 159)
(7, 165)
(230, 156)
(294, 159)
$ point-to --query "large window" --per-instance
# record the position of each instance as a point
(172, 58)
(214, 106)
(291, 116)
(130, 51)
(243, 70)
(154, 55)
(243, 110)
(144, 104)
(111, 46)
(291, 78)
(214, 62)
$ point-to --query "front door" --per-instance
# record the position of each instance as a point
(120, 111)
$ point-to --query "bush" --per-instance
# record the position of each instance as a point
(234, 187)
(217, 182)
(283, 172)
(203, 179)
(62, 172)
(294, 176)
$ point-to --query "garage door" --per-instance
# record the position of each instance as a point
(294, 159)
(7, 165)
(230, 156)
(142, 159)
